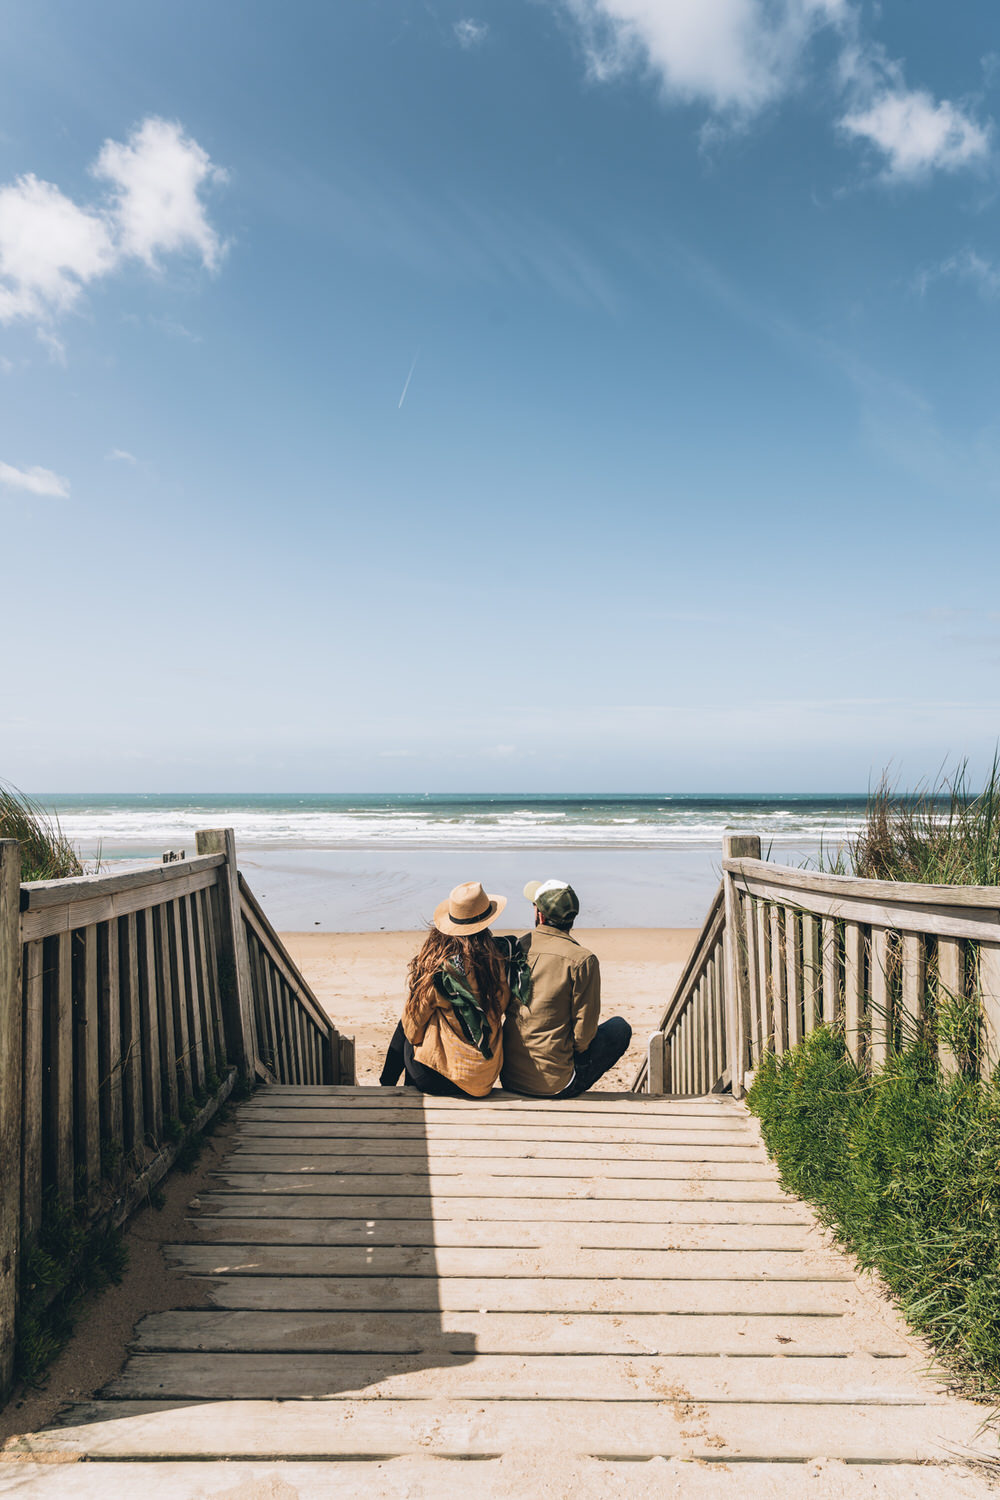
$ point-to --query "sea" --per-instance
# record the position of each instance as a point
(343, 862)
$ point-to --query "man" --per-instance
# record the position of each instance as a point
(556, 1047)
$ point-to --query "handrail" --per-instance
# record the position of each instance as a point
(800, 948)
(130, 1003)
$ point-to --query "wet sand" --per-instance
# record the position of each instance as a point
(360, 977)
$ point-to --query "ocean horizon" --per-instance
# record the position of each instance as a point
(137, 825)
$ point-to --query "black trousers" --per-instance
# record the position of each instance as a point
(416, 1075)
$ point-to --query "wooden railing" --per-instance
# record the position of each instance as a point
(130, 1004)
(784, 951)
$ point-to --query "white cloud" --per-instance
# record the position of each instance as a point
(157, 176)
(121, 455)
(918, 134)
(471, 33)
(35, 480)
(733, 55)
(51, 248)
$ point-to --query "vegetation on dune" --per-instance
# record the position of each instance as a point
(903, 1167)
(943, 833)
(46, 854)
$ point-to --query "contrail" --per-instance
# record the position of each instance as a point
(409, 377)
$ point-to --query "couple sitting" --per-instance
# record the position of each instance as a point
(525, 1010)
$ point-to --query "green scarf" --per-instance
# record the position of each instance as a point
(451, 983)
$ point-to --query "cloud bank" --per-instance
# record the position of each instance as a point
(736, 57)
(52, 248)
(35, 481)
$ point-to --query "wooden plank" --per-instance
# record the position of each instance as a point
(11, 1087)
(133, 1123)
(58, 1069)
(854, 990)
(793, 975)
(753, 971)
(237, 992)
(811, 972)
(950, 987)
(192, 977)
(831, 976)
(971, 921)
(496, 1478)
(491, 1377)
(779, 1000)
(162, 924)
(763, 989)
(989, 998)
(66, 918)
(176, 947)
(280, 958)
(749, 1164)
(334, 1153)
(914, 981)
(204, 988)
(515, 1333)
(734, 963)
(110, 1005)
(384, 1137)
(669, 1183)
(880, 1022)
(38, 895)
(466, 1114)
(32, 1105)
(529, 1294)
(445, 1262)
(849, 887)
(209, 899)
(656, 1064)
(149, 1012)
(371, 1096)
(465, 1429)
(86, 1067)
(265, 1228)
(769, 1205)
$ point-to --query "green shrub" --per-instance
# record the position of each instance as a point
(905, 1168)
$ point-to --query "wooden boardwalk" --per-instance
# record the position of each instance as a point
(611, 1296)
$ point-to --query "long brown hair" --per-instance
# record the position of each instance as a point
(477, 957)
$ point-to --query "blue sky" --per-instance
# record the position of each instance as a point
(695, 482)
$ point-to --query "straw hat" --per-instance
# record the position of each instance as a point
(468, 909)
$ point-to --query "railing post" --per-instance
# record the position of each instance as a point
(736, 846)
(10, 1103)
(656, 1070)
(235, 986)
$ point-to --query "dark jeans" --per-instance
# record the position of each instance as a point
(610, 1043)
(416, 1075)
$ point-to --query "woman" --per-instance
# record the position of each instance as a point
(461, 982)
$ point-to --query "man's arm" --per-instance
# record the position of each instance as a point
(586, 1002)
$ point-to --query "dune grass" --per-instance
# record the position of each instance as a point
(46, 854)
(903, 1167)
(943, 833)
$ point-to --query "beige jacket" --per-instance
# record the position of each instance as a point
(438, 1042)
(540, 1040)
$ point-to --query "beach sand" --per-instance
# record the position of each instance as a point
(360, 977)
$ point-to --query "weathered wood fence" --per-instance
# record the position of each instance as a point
(784, 951)
(130, 1004)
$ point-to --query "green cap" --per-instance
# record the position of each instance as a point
(557, 901)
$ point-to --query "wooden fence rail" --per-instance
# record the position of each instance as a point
(130, 1004)
(784, 951)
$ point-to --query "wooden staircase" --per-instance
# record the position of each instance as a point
(609, 1296)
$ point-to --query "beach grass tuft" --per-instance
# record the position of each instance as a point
(46, 854)
(902, 1166)
(942, 833)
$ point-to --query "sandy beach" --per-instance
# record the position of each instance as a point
(360, 977)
